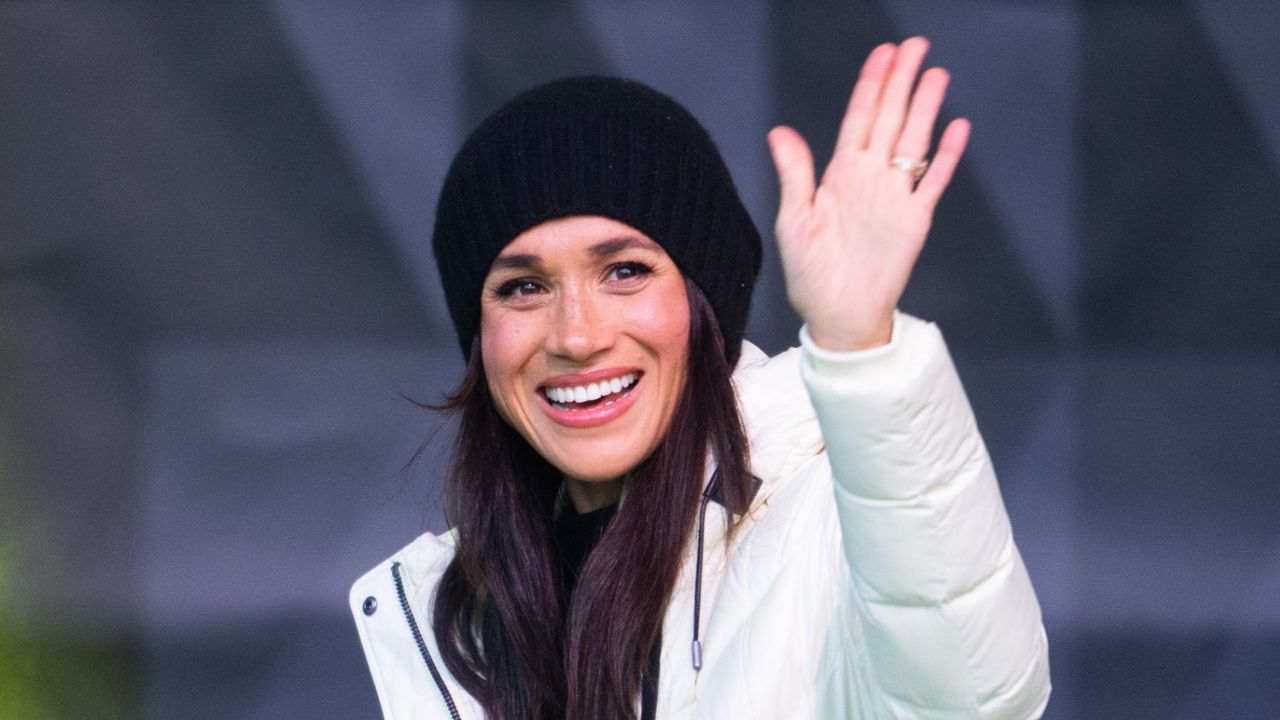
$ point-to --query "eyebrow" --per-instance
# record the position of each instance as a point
(517, 261)
(612, 246)
(604, 248)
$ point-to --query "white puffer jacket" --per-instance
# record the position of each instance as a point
(875, 575)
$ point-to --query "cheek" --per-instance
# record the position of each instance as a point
(666, 330)
(672, 337)
(662, 323)
(671, 321)
(506, 347)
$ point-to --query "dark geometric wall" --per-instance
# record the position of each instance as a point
(216, 292)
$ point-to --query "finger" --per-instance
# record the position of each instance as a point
(794, 163)
(950, 148)
(918, 130)
(856, 126)
(893, 101)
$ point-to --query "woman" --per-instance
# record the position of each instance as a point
(857, 560)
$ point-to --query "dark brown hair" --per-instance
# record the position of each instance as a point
(498, 617)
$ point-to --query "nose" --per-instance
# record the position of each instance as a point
(580, 327)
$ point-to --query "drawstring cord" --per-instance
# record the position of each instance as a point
(711, 493)
(697, 584)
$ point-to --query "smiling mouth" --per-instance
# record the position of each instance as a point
(582, 397)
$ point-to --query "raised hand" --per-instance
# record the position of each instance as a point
(848, 245)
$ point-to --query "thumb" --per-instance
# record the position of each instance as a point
(794, 163)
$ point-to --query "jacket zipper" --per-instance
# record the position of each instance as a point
(422, 645)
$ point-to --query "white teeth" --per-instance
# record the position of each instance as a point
(591, 391)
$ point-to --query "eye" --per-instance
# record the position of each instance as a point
(629, 271)
(519, 287)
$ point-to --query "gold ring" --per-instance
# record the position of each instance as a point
(915, 167)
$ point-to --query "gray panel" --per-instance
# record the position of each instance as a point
(1180, 213)
(273, 474)
(509, 46)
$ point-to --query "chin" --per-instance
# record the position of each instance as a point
(599, 472)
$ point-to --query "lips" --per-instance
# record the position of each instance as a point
(590, 399)
(577, 396)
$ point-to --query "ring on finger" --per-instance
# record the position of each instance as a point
(915, 167)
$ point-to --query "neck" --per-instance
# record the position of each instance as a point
(587, 496)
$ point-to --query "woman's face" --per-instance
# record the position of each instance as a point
(584, 330)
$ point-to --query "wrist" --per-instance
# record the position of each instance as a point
(837, 338)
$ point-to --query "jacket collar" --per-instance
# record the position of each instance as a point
(781, 426)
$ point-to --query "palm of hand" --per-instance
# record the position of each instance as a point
(848, 245)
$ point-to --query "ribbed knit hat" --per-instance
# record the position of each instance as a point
(596, 146)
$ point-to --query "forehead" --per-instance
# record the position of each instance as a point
(578, 236)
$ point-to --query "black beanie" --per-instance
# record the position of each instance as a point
(596, 146)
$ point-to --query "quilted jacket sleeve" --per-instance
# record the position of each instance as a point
(950, 620)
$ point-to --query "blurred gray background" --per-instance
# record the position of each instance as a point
(216, 291)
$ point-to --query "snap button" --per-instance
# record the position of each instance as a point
(370, 605)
